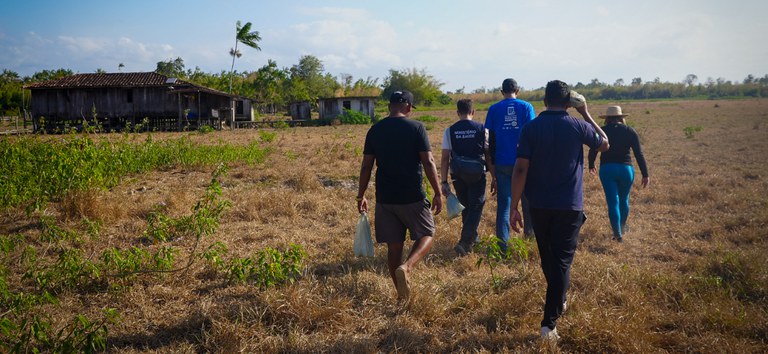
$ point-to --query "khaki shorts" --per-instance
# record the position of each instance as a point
(392, 220)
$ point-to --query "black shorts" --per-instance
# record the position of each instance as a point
(392, 220)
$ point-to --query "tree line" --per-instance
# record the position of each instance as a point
(273, 87)
(688, 88)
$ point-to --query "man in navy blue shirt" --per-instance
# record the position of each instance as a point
(549, 168)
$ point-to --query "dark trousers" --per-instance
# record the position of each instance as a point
(557, 233)
(472, 197)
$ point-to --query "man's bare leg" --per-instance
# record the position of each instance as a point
(400, 272)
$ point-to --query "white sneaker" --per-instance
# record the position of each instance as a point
(549, 334)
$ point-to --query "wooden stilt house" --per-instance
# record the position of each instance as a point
(116, 101)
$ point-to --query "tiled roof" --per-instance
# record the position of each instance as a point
(147, 79)
(107, 80)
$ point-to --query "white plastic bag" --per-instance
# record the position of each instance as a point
(363, 244)
(454, 206)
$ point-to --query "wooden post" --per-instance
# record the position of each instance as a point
(199, 113)
(180, 112)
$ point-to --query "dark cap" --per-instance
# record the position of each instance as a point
(402, 97)
(509, 86)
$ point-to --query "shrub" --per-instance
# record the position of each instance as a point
(36, 334)
(491, 254)
(354, 117)
(280, 125)
(267, 137)
(268, 267)
(444, 99)
(205, 129)
(689, 130)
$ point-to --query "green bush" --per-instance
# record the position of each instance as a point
(267, 137)
(281, 124)
(354, 117)
(689, 131)
(444, 99)
(268, 267)
(205, 129)
(35, 334)
(491, 254)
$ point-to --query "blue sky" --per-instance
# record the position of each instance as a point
(468, 44)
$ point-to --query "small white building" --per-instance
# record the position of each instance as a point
(332, 107)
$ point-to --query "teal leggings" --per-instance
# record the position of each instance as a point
(617, 181)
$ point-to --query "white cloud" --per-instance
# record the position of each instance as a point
(339, 13)
(82, 45)
(346, 40)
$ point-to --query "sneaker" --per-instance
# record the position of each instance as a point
(403, 288)
(460, 250)
(549, 334)
(618, 239)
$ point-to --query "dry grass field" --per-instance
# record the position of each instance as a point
(692, 276)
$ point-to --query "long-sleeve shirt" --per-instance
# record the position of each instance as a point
(622, 138)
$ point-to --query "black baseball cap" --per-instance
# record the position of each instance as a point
(509, 85)
(401, 97)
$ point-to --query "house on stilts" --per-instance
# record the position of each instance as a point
(116, 101)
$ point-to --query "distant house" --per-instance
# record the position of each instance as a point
(300, 110)
(330, 108)
(119, 100)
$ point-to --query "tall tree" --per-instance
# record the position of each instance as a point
(425, 87)
(268, 82)
(307, 76)
(10, 93)
(243, 34)
(690, 79)
(171, 68)
(46, 75)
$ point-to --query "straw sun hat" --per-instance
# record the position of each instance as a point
(613, 111)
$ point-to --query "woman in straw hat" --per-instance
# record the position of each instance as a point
(616, 171)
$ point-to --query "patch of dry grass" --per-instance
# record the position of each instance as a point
(691, 276)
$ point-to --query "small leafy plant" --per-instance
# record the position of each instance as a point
(690, 130)
(266, 136)
(205, 129)
(268, 267)
(491, 254)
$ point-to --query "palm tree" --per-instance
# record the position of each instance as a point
(243, 35)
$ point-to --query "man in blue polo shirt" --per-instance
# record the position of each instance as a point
(504, 121)
(550, 169)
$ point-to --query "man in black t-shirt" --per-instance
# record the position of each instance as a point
(400, 149)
